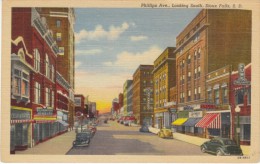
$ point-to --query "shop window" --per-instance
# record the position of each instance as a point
(37, 60)
(246, 132)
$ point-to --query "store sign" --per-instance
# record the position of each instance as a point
(44, 111)
(208, 106)
(195, 114)
(241, 73)
(20, 115)
(188, 107)
(168, 104)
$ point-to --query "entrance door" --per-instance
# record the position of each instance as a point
(18, 134)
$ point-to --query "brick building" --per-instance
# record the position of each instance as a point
(212, 40)
(34, 83)
(127, 102)
(142, 100)
(164, 77)
(61, 21)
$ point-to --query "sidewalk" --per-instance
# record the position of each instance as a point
(196, 140)
(58, 145)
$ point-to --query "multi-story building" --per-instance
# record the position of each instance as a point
(79, 101)
(240, 98)
(143, 94)
(164, 77)
(115, 107)
(213, 40)
(126, 102)
(33, 87)
(130, 100)
(120, 101)
(61, 21)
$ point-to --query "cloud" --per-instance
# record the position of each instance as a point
(99, 32)
(138, 38)
(129, 60)
(88, 52)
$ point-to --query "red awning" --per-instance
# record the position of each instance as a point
(210, 120)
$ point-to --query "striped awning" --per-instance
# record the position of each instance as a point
(179, 121)
(210, 120)
(21, 121)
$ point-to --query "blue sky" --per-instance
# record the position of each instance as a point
(112, 43)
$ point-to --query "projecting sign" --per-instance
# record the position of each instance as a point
(241, 79)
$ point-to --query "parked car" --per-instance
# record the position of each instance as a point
(128, 120)
(82, 139)
(93, 129)
(165, 133)
(105, 121)
(144, 128)
(221, 146)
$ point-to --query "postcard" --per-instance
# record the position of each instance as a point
(130, 81)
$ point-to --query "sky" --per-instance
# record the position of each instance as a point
(112, 43)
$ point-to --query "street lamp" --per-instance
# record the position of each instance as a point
(237, 110)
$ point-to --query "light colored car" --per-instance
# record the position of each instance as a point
(165, 133)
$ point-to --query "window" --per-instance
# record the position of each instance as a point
(47, 97)
(199, 51)
(37, 61)
(52, 73)
(189, 95)
(52, 99)
(77, 101)
(188, 61)
(58, 36)
(195, 54)
(198, 75)
(21, 83)
(61, 50)
(37, 91)
(209, 95)
(58, 23)
(224, 95)
(240, 97)
(195, 94)
(198, 92)
(47, 67)
(195, 73)
(180, 64)
(216, 91)
(189, 76)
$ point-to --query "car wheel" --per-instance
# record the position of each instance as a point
(203, 149)
(219, 153)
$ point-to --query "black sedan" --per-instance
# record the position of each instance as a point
(221, 146)
(82, 139)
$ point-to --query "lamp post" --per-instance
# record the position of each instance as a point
(237, 110)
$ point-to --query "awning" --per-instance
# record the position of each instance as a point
(210, 120)
(63, 123)
(192, 121)
(179, 121)
(21, 121)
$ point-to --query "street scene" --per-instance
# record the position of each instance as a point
(93, 81)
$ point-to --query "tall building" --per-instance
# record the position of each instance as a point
(208, 49)
(130, 100)
(61, 21)
(164, 77)
(143, 94)
(127, 101)
(120, 101)
(33, 80)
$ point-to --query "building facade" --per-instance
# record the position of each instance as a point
(61, 21)
(126, 102)
(164, 77)
(143, 94)
(207, 50)
(130, 100)
(36, 87)
(240, 96)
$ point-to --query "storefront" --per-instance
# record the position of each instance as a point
(158, 120)
(62, 120)
(20, 128)
(45, 125)
(194, 118)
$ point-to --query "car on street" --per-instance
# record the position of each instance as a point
(221, 146)
(89, 131)
(129, 120)
(165, 133)
(82, 139)
(144, 128)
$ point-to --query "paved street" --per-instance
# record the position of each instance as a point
(116, 139)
